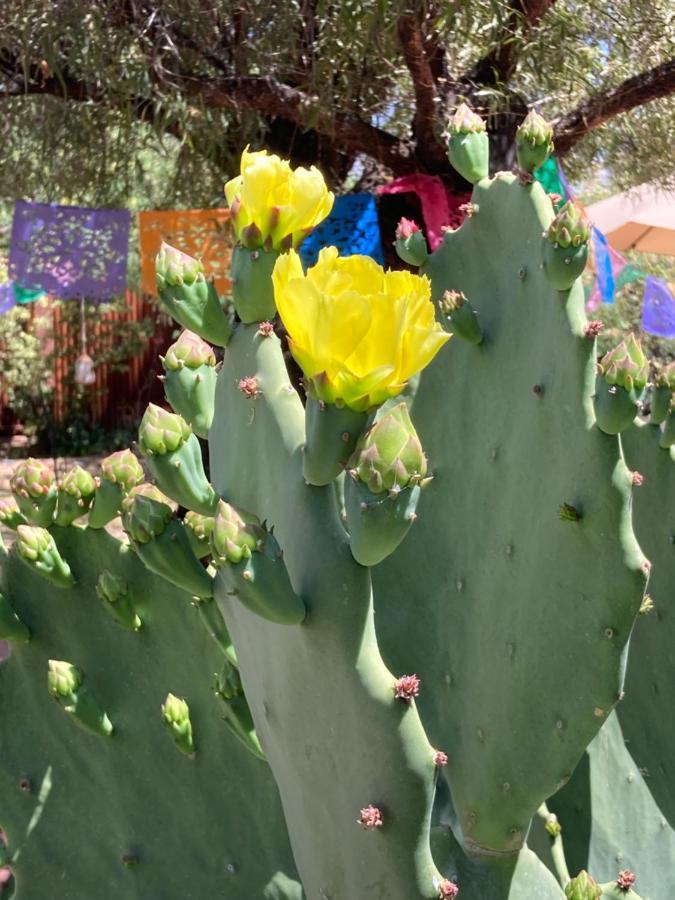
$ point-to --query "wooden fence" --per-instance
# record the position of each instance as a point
(117, 398)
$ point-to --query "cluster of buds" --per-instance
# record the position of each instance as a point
(235, 536)
(626, 365)
(569, 228)
(389, 456)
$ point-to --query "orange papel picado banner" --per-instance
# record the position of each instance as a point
(204, 233)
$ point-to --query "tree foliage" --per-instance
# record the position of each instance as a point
(149, 102)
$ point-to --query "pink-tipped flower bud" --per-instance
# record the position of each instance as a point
(625, 880)
(447, 890)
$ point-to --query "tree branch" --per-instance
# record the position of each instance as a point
(426, 100)
(265, 95)
(499, 64)
(635, 91)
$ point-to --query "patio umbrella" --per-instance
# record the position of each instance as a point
(640, 219)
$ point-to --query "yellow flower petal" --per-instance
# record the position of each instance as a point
(357, 332)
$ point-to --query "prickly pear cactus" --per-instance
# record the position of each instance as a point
(416, 575)
(122, 812)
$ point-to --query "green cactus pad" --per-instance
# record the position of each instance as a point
(526, 656)
(252, 290)
(257, 463)
(110, 818)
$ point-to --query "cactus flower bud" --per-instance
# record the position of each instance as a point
(568, 228)
(198, 529)
(622, 375)
(75, 496)
(468, 146)
(123, 469)
(566, 247)
(465, 121)
(176, 714)
(145, 513)
(63, 678)
(389, 456)
(175, 267)
(120, 472)
(189, 350)
(10, 514)
(462, 317)
(252, 567)
(161, 431)
(625, 880)
(626, 365)
(410, 243)
(534, 142)
(37, 548)
(65, 683)
(188, 297)
(161, 540)
(114, 591)
(234, 536)
(387, 470)
(583, 887)
(447, 890)
(34, 489)
(175, 459)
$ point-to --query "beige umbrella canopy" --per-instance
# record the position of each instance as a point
(640, 219)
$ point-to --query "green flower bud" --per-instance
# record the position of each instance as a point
(389, 456)
(145, 513)
(568, 228)
(468, 145)
(75, 496)
(626, 365)
(36, 547)
(534, 142)
(65, 682)
(199, 530)
(235, 536)
(32, 484)
(410, 243)
(188, 297)
(10, 514)
(78, 483)
(228, 683)
(465, 121)
(162, 431)
(32, 479)
(176, 715)
(123, 469)
(583, 887)
(173, 267)
(189, 350)
(462, 317)
(63, 678)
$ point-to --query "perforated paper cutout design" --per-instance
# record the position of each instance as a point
(204, 233)
(352, 227)
(70, 251)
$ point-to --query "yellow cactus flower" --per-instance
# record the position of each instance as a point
(274, 206)
(357, 332)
